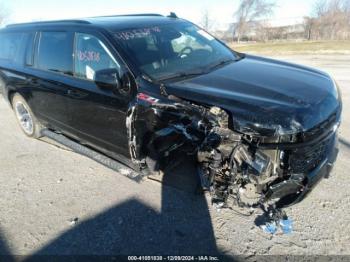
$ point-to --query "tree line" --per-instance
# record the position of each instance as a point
(329, 20)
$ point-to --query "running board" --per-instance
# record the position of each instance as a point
(94, 155)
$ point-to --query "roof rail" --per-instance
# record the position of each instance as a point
(50, 22)
(146, 14)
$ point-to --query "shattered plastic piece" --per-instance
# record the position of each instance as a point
(286, 225)
(274, 219)
(270, 228)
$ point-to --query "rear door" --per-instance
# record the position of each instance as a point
(98, 115)
(50, 76)
(12, 51)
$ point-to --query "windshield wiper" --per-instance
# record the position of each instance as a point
(207, 70)
(181, 75)
(220, 63)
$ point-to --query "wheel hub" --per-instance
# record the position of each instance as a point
(24, 118)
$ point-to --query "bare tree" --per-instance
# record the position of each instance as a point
(319, 8)
(249, 13)
(207, 22)
(309, 27)
(263, 30)
(331, 19)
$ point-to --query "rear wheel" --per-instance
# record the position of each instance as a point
(25, 117)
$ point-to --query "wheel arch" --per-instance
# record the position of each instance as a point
(11, 91)
(10, 95)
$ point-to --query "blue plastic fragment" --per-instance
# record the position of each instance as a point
(286, 225)
(270, 228)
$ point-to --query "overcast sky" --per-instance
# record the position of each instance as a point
(287, 11)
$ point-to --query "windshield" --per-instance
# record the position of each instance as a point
(171, 50)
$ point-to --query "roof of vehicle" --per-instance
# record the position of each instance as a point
(115, 22)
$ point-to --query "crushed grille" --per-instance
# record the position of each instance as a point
(304, 160)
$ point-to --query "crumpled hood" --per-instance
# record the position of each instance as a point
(265, 96)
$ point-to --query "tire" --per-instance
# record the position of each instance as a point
(25, 117)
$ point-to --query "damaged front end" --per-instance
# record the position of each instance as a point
(237, 169)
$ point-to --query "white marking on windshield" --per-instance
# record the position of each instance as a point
(137, 33)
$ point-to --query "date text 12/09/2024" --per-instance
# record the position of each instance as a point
(173, 258)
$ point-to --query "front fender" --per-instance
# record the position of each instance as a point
(156, 127)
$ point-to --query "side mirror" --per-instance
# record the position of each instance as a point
(108, 79)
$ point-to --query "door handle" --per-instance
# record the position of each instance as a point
(75, 93)
(32, 81)
(72, 92)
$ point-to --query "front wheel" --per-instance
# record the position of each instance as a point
(25, 117)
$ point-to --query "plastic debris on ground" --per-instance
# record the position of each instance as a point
(275, 221)
(270, 228)
(286, 225)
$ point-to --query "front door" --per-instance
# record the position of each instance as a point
(98, 115)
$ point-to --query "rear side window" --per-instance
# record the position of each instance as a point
(13, 47)
(55, 52)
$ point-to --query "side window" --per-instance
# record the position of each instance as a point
(55, 52)
(12, 47)
(91, 55)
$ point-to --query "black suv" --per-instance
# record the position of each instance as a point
(144, 89)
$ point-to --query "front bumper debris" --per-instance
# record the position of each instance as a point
(237, 169)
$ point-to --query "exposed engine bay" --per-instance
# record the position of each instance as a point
(233, 167)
